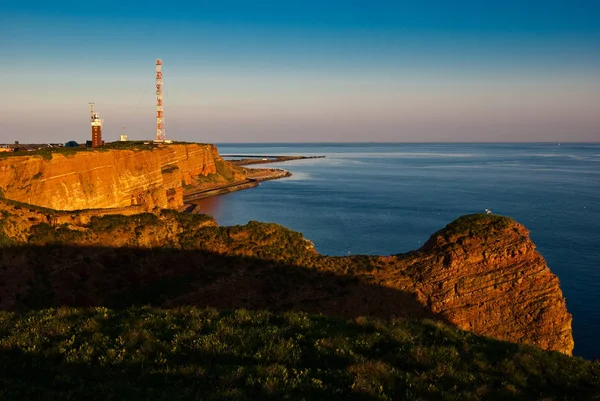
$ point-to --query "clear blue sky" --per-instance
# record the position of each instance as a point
(285, 71)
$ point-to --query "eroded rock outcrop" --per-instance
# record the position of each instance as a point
(110, 178)
(483, 274)
(480, 273)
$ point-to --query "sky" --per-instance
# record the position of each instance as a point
(303, 71)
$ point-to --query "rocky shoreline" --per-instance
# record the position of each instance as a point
(246, 160)
(253, 178)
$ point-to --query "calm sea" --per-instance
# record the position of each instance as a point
(389, 198)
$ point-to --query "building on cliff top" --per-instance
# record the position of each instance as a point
(123, 137)
(96, 127)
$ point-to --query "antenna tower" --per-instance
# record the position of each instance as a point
(160, 119)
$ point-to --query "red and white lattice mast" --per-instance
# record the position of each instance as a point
(160, 119)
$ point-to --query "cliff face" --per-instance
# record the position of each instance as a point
(480, 273)
(483, 274)
(108, 178)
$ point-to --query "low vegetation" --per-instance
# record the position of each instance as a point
(92, 320)
(27, 206)
(44, 233)
(47, 152)
(5, 240)
(225, 173)
(113, 222)
(476, 224)
(192, 353)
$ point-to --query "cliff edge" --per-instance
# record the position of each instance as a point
(480, 273)
(113, 178)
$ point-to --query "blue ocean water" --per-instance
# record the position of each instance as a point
(389, 198)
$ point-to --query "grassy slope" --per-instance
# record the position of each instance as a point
(191, 353)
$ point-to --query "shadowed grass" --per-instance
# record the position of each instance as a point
(194, 353)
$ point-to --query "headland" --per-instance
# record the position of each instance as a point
(136, 175)
(481, 273)
(142, 275)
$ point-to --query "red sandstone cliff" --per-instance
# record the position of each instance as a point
(483, 274)
(109, 178)
(480, 273)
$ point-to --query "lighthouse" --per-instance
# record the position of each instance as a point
(96, 127)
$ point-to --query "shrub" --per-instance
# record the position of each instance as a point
(44, 233)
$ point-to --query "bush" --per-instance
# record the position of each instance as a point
(113, 222)
(44, 233)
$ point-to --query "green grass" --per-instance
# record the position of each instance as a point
(225, 173)
(128, 145)
(192, 353)
(115, 221)
(195, 353)
(47, 153)
(188, 221)
(477, 224)
(44, 233)
(225, 170)
(5, 240)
